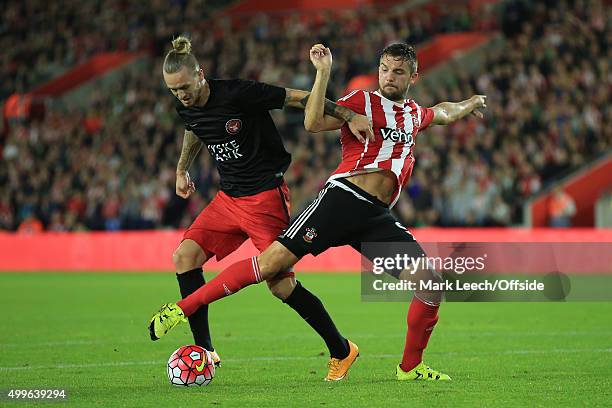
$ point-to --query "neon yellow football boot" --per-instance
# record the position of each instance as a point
(166, 319)
(421, 372)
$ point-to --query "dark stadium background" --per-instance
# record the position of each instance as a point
(100, 154)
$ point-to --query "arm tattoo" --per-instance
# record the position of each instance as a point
(191, 148)
(337, 111)
(332, 109)
(304, 100)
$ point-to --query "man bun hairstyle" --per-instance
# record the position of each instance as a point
(180, 56)
(402, 51)
(181, 45)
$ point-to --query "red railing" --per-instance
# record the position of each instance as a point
(585, 187)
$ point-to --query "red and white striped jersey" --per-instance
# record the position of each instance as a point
(395, 128)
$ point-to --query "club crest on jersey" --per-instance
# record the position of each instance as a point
(233, 126)
(396, 135)
(310, 234)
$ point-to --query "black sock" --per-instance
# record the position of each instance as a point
(310, 308)
(189, 282)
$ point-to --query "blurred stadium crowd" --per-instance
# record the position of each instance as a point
(110, 164)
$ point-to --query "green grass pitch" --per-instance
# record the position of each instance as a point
(86, 333)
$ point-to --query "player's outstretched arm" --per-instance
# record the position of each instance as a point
(448, 112)
(191, 148)
(297, 98)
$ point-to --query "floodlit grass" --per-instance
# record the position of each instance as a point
(86, 333)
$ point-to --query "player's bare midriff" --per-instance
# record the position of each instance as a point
(380, 184)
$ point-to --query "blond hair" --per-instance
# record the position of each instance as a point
(180, 56)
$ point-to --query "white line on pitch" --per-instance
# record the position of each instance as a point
(298, 358)
(293, 336)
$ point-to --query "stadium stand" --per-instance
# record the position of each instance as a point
(109, 165)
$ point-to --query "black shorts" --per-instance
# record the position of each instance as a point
(343, 214)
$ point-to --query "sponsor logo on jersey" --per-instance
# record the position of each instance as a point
(233, 126)
(225, 151)
(396, 135)
(310, 234)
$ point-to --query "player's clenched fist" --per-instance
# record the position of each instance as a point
(321, 57)
(184, 185)
(478, 101)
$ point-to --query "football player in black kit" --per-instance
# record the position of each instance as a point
(231, 118)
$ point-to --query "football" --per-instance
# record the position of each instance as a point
(189, 366)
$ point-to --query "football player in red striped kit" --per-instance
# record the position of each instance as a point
(353, 207)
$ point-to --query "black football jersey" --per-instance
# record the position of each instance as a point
(236, 127)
